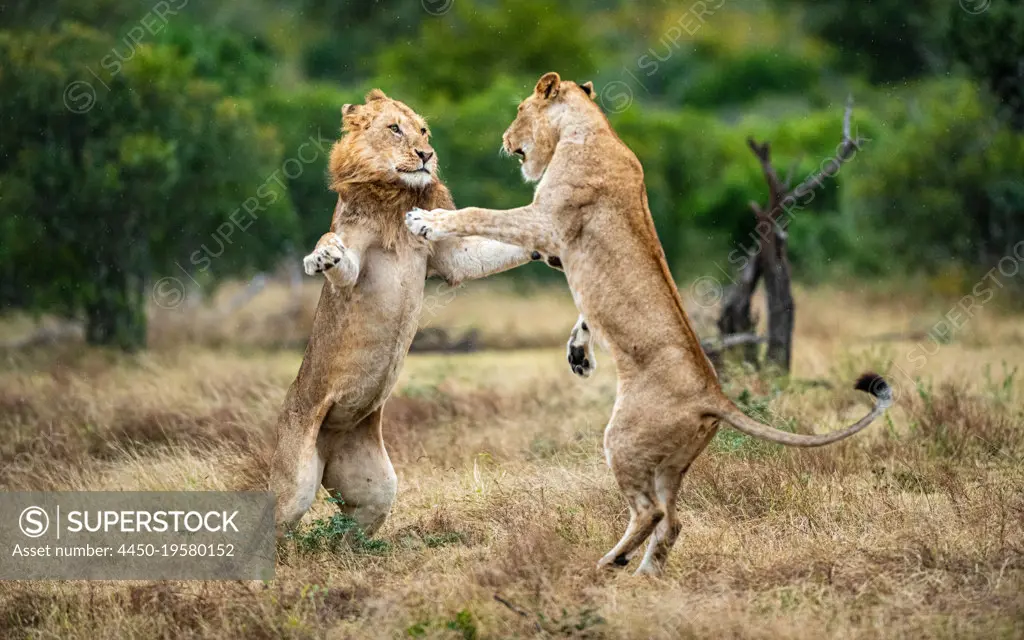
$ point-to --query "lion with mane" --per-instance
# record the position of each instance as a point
(329, 430)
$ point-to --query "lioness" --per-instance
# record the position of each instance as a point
(329, 430)
(590, 208)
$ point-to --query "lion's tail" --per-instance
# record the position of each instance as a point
(869, 382)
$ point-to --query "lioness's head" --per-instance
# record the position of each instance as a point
(385, 141)
(534, 133)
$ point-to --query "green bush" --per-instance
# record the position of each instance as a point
(113, 180)
(943, 184)
(471, 47)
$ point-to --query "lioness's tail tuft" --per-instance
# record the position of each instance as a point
(877, 386)
(872, 383)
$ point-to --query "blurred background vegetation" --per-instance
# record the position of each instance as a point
(141, 140)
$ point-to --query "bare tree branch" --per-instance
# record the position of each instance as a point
(847, 113)
(717, 345)
(772, 260)
(517, 610)
(792, 170)
(847, 146)
(764, 155)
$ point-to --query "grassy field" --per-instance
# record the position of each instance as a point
(914, 528)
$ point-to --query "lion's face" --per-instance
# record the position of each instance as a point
(533, 135)
(392, 140)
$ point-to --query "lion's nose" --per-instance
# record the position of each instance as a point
(425, 155)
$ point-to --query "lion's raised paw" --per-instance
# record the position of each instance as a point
(325, 257)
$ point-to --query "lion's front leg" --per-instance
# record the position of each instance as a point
(528, 227)
(332, 258)
(339, 255)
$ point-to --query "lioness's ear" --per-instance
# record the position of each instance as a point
(588, 88)
(547, 86)
(375, 94)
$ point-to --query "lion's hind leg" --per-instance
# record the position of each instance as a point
(297, 466)
(359, 472)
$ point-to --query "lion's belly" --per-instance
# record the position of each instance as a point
(382, 318)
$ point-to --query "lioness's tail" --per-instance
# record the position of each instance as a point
(870, 382)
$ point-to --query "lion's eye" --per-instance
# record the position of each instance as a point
(395, 128)
(423, 131)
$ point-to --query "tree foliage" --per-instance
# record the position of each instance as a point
(189, 140)
(105, 184)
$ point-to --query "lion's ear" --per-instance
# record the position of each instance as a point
(351, 118)
(588, 88)
(375, 94)
(548, 84)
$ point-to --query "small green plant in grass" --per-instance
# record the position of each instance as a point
(329, 534)
(729, 440)
(417, 629)
(462, 624)
(1002, 390)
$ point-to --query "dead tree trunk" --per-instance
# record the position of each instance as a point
(781, 308)
(772, 259)
(773, 262)
(736, 317)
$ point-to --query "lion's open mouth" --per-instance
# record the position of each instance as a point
(520, 154)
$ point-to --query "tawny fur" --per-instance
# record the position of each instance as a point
(590, 208)
(329, 430)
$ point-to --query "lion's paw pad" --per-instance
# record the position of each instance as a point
(323, 258)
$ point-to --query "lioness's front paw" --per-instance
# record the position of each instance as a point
(428, 225)
(580, 352)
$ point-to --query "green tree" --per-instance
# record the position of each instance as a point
(346, 35)
(886, 40)
(310, 112)
(476, 43)
(943, 185)
(111, 178)
(990, 45)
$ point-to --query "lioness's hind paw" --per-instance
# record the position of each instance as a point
(580, 353)
(650, 570)
(579, 361)
(613, 562)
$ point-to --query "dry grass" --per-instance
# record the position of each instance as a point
(912, 529)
